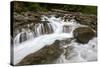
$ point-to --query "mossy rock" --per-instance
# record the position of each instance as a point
(83, 34)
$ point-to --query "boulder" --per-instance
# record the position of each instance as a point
(46, 55)
(83, 34)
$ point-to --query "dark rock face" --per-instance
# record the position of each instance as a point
(83, 34)
(46, 55)
(90, 20)
(26, 17)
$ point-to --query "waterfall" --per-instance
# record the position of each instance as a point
(23, 36)
(43, 34)
(55, 25)
(38, 30)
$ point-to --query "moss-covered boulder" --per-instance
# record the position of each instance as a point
(46, 55)
(83, 34)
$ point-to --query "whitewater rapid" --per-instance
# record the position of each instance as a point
(79, 53)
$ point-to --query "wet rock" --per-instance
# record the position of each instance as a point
(46, 55)
(68, 50)
(65, 41)
(23, 37)
(83, 34)
(66, 29)
(90, 20)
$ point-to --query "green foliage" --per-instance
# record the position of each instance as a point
(44, 7)
(90, 10)
(33, 6)
(73, 8)
(80, 8)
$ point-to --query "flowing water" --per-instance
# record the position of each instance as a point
(31, 40)
(79, 52)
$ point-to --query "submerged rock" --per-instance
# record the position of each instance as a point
(65, 41)
(68, 50)
(83, 34)
(46, 55)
